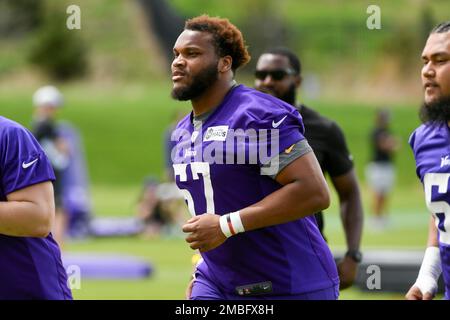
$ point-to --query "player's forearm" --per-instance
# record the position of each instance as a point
(352, 220)
(350, 207)
(25, 219)
(293, 201)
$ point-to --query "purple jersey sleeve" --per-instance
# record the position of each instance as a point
(284, 130)
(278, 126)
(22, 160)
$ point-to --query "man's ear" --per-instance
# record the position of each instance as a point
(225, 64)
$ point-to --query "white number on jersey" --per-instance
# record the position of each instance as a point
(440, 208)
(196, 169)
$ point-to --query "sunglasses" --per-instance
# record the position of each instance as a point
(275, 74)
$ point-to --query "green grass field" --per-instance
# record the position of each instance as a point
(122, 129)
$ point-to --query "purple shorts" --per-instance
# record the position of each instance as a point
(205, 289)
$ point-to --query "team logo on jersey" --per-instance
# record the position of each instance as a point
(277, 124)
(445, 161)
(288, 150)
(29, 164)
(217, 133)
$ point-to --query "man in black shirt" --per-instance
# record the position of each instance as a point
(278, 72)
(380, 172)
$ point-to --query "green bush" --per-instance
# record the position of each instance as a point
(60, 52)
(18, 17)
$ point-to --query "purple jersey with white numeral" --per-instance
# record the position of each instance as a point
(30, 268)
(431, 147)
(292, 256)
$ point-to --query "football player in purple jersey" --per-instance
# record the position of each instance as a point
(252, 210)
(431, 146)
(30, 259)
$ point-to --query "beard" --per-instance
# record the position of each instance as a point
(436, 111)
(290, 95)
(199, 84)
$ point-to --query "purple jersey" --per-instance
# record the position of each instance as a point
(431, 147)
(30, 268)
(292, 258)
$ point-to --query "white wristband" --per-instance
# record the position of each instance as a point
(430, 271)
(231, 224)
(237, 222)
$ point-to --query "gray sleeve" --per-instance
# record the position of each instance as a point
(282, 160)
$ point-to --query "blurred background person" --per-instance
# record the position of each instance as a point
(47, 100)
(160, 209)
(278, 73)
(380, 172)
(149, 210)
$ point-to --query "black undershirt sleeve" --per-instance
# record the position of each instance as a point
(338, 160)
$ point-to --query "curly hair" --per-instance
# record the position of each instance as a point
(227, 38)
